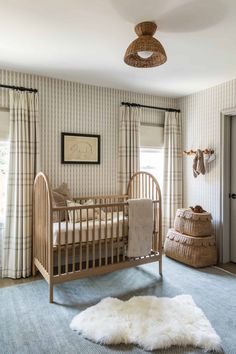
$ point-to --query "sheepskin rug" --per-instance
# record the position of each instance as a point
(147, 321)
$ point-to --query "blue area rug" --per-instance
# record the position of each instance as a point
(29, 324)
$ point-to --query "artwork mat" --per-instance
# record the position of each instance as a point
(80, 148)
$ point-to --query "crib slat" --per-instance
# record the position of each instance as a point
(149, 186)
(42, 215)
(73, 243)
(87, 241)
(139, 187)
(106, 238)
(100, 251)
(152, 189)
(155, 217)
(59, 243)
(66, 241)
(131, 190)
(40, 236)
(142, 195)
(43, 210)
(112, 237)
(43, 235)
(123, 250)
(118, 236)
(80, 242)
(47, 235)
(134, 190)
(159, 227)
(36, 225)
(145, 186)
(93, 238)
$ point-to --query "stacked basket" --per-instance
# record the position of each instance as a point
(191, 241)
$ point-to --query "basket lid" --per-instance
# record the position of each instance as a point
(187, 213)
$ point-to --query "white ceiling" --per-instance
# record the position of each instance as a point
(85, 41)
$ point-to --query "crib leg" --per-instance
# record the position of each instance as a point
(51, 293)
(160, 267)
(33, 269)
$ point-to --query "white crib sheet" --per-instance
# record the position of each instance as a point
(87, 234)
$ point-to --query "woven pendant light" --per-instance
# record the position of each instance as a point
(145, 51)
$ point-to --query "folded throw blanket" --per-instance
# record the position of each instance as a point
(198, 164)
(140, 227)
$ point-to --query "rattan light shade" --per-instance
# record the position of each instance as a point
(145, 43)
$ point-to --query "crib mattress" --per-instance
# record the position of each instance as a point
(87, 232)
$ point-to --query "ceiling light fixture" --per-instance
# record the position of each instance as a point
(145, 51)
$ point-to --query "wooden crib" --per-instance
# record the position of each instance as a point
(64, 250)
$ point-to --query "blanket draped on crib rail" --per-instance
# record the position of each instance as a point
(140, 227)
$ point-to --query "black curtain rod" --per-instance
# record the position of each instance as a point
(152, 107)
(20, 88)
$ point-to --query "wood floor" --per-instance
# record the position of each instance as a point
(230, 267)
(9, 282)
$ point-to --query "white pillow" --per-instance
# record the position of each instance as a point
(83, 212)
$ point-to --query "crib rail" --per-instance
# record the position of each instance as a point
(42, 225)
(99, 240)
(93, 236)
(144, 185)
(102, 199)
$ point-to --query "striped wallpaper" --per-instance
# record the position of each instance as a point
(72, 107)
(201, 129)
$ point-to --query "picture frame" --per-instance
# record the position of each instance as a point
(80, 148)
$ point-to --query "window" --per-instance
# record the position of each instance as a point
(151, 152)
(151, 160)
(4, 156)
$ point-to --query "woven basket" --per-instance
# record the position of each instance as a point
(189, 223)
(194, 251)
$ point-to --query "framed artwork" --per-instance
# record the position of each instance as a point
(80, 148)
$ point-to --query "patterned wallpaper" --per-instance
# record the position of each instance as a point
(73, 107)
(201, 129)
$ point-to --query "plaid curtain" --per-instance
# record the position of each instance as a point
(129, 145)
(172, 184)
(24, 154)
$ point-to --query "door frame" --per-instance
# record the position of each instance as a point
(226, 114)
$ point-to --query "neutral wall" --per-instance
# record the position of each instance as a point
(201, 114)
(72, 107)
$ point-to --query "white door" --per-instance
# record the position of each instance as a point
(233, 190)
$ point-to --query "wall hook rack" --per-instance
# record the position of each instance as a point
(193, 152)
